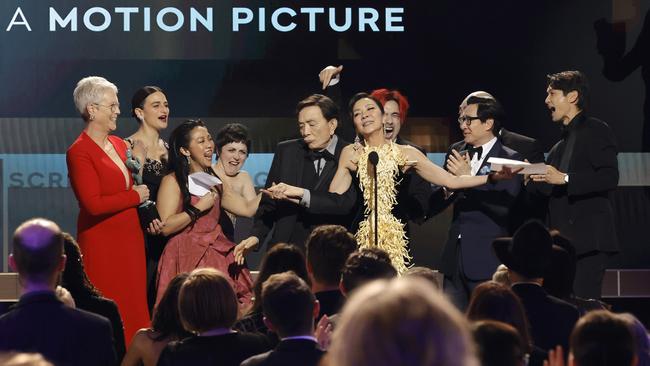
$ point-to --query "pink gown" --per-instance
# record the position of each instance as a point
(204, 245)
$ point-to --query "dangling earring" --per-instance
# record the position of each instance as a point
(92, 117)
(189, 161)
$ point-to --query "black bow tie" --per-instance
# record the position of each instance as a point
(475, 150)
(323, 154)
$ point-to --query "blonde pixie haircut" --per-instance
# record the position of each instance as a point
(90, 90)
(404, 321)
(207, 301)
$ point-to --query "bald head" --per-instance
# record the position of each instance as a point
(37, 249)
(478, 94)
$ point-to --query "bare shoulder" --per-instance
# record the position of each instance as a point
(410, 152)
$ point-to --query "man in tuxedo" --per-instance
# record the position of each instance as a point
(527, 255)
(480, 213)
(289, 310)
(582, 170)
(40, 322)
(309, 162)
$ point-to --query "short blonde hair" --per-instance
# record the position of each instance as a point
(90, 90)
(404, 321)
(207, 301)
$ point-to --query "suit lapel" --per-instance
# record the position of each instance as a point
(330, 166)
(301, 160)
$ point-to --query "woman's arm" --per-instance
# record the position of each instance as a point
(244, 204)
(343, 177)
(168, 202)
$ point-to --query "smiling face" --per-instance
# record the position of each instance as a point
(155, 111)
(315, 130)
(367, 117)
(392, 120)
(200, 149)
(232, 156)
(475, 132)
(563, 107)
(105, 111)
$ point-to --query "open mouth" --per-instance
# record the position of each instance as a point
(163, 118)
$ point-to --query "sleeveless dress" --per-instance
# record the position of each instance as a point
(203, 245)
(391, 236)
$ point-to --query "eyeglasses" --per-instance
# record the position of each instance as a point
(113, 107)
(466, 120)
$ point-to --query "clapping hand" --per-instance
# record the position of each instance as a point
(458, 164)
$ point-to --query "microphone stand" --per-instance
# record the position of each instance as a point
(373, 158)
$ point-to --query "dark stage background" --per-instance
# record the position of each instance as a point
(446, 50)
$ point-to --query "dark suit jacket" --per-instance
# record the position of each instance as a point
(108, 309)
(66, 336)
(527, 206)
(223, 350)
(413, 193)
(581, 210)
(298, 352)
(480, 216)
(290, 160)
(551, 319)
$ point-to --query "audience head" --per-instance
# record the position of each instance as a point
(559, 276)
(23, 359)
(501, 275)
(641, 337)
(364, 266)
(149, 105)
(328, 247)
(601, 338)
(499, 344)
(425, 273)
(280, 258)
(93, 93)
(289, 305)
(527, 254)
(572, 88)
(37, 254)
(401, 322)
(207, 301)
(166, 319)
(493, 301)
(74, 277)
(317, 120)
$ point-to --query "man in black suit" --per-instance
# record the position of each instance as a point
(40, 322)
(309, 162)
(481, 213)
(289, 309)
(527, 255)
(582, 169)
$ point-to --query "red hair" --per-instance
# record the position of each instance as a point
(384, 95)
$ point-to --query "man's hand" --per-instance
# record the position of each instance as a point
(458, 164)
(506, 173)
(283, 191)
(552, 176)
(243, 248)
(326, 75)
(323, 333)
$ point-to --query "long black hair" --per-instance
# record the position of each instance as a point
(178, 163)
(74, 277)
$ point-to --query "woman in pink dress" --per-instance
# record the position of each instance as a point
(198, 240)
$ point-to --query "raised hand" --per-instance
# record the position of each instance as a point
(329, 72)
(458, 164)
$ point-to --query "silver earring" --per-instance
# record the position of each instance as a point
(189, 160)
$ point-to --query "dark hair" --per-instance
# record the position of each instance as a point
(328, 247)
(232, 132)
(385, 95)
(498, 343)
(602, 338)
(364, 266)
(425, 273)
(289, 304)
(38, 257)
(280, 258)
(140, 96)
(328, 108)
(491, 300)
(207, 301)
(488, 109)
(180, 137)
(559, 277)
(74, 277)
(357, 97)
(166, 317)
(568, 81)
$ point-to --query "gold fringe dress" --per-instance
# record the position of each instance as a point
(391, 236)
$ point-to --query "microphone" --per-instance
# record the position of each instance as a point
(373, 158)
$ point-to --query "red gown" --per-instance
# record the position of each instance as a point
(204, 245)
(108, 229)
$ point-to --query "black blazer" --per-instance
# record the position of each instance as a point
(290, 159)
(528, 147)
(66, 336)
(551, 319)
(108, 309)
(581, 210)
(481, 214)
(413, 193)
(223, 350)
(298, 352)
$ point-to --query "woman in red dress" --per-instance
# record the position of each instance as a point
(198, 240)
(108, 228)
